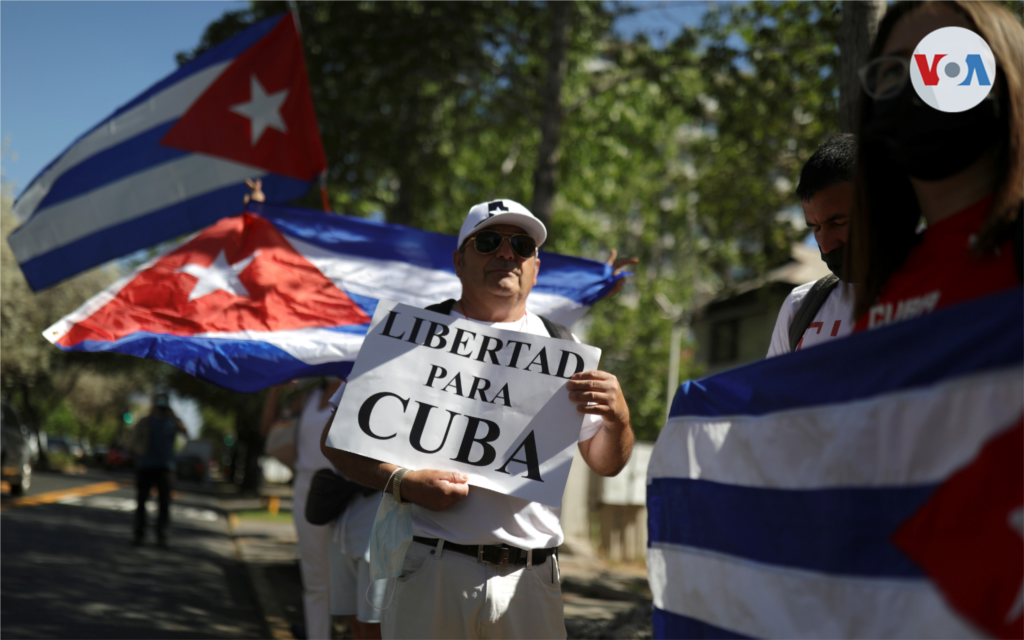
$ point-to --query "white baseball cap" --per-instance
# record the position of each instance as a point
(502, 211)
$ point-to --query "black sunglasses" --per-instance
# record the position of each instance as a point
(488, 242)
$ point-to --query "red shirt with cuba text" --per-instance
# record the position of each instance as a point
(942, 270)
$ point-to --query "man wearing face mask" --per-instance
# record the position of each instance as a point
(822, 310)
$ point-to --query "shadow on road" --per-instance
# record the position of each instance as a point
(69, 571)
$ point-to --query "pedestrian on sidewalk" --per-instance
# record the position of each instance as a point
(314, 411)
(152, 442)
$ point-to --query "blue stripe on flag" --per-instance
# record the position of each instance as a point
(112, 164)
(559, 274)
(221, 53)
(836, 531)
(794, 380)
(368, 305)
(355, 236)
(152, 228)
(673, 625)
(355, 329)
(220, 361)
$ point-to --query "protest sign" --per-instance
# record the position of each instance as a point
(430, 391)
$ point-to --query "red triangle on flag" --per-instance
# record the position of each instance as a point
(968, 537)
(259, 111)
(239, 275)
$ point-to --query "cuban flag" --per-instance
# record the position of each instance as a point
(280, 293)
(868, 488)
(175, 159)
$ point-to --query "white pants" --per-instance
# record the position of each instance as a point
(352, 591)
(455, 596)
(313, 554)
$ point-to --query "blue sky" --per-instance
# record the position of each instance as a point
(66, 66)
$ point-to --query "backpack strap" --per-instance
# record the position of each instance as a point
(442, 307)
(816, 297)
(555, 330)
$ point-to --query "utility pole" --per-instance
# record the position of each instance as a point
(856, 33)
(545, 177)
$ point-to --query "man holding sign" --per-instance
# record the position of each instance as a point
(478, 392)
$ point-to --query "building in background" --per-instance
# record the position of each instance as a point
(735, 327)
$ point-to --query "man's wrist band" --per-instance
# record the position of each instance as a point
(397, 484)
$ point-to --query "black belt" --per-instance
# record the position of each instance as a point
(499, 554)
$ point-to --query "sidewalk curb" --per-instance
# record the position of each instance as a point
(273, 615)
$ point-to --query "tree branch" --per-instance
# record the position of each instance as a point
(516, 106)
(608, 86)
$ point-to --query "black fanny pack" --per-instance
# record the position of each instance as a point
(329, 494)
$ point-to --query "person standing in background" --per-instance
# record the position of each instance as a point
(313, 410)
(153, 444)
(822, 310)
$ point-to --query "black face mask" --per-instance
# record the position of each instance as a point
(834, 261)
(929, 144)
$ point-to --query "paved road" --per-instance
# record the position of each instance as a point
(69, 570)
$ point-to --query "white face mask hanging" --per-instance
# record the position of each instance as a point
(391, 536)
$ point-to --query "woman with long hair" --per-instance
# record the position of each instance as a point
(963, 173)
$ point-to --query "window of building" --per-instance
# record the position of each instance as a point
(725, 340)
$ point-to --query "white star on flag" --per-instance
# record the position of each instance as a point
(219, 276)
(262, 110)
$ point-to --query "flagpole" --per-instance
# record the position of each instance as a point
(293, 7)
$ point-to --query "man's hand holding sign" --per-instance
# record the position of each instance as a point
(431, 391)
(481, 393)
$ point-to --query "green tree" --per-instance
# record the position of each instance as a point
(770, 98)
(683, 156)
(34, 375)
(716, 131)
(627, 185)
(428, 108)
(397, 95)
(423, 127)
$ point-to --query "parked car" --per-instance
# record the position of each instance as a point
(66, 444)
(195, 461)
(118, 457)
(56, 444)
(16, 452)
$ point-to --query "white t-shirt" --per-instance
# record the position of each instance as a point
(308, 456)
(488, 517)
(834, 319)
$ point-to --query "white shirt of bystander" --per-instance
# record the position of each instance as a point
(834, 319)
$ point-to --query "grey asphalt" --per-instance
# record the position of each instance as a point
(68, 569)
